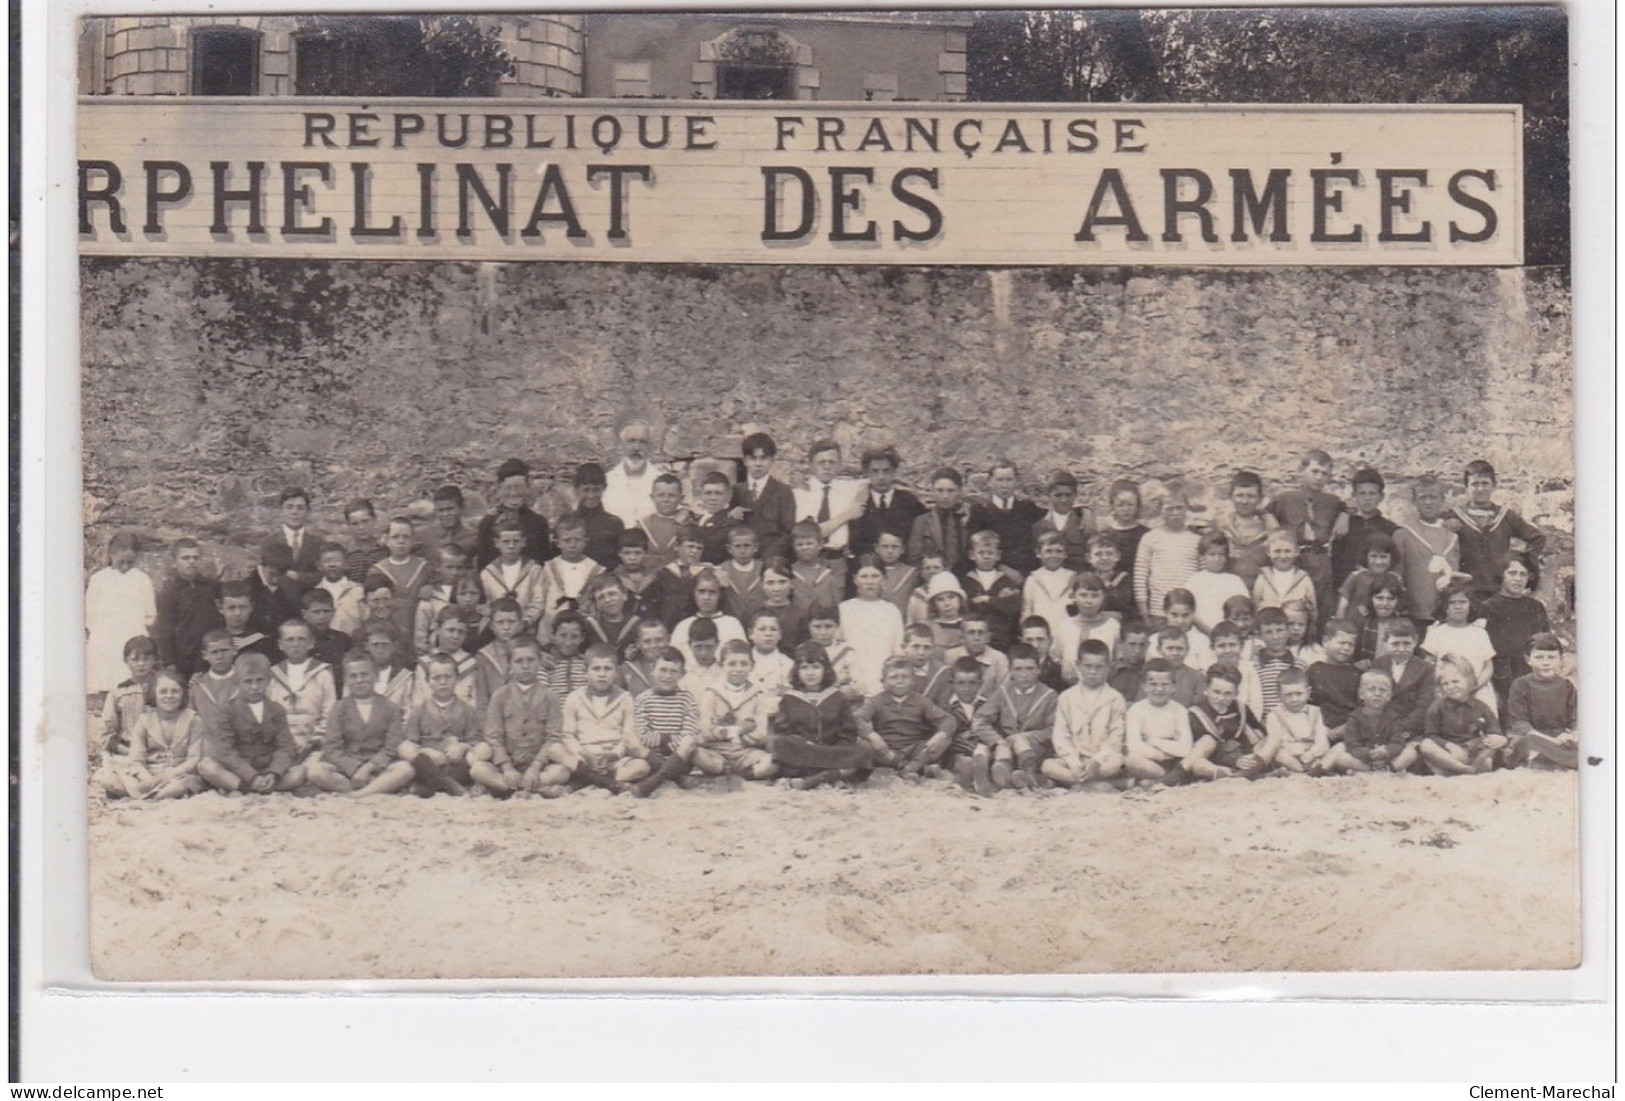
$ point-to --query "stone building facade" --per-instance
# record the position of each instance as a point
(824, 56)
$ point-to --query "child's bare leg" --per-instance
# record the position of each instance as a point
(1142, 768)
(1538, 746)
(758, 765)
(328, 778)
(1064, 774)
(631, 769)
(1002, 765)
(1029, 753)
(219, 776)
(1202, 768)
(1442, 760)
(1405, 758)
(709, 761)
(396, 776)
(178, 788)
(981, 777)
(1288, 761)
(111, 783)
(488, 775)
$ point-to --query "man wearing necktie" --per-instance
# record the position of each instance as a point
(887, 509)
(304, 546)
(831, 502)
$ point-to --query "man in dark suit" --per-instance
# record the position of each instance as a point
(944, 527)
(1012, 517)
(304, 545)
(762, 502)
(887, 510)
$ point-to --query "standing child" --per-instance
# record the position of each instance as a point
(469, 598)
(384, 606)
(610, 620)
(777, 585)
(1429, 550)
(1073, 522)
(493, 661)
(395, 674)
(186, 610)
(814, 736)
(764, 502)
(734, 714)
(1462, 635)
(603, 528)
(1247, 528)
(1272, 659)
(131, 696)
(564, 664)
(662, 526)
(1295, 738)
(872, 626)
(119, 605)
(741, 574)
(1118, 584)
(1512, 617)
(166, 745)
(1157, 731)
(349, 602)
(450, 529)
(1009, 517)
(707, 605)
(1212, 584)
(992, 589)
(450, 637)
(1035, 632)
(275, 598)
(1300, 638)
(1179, 614)
(513, 508)
(1282, 580)
(441, 593)
(1166, 558)
(366, 541)
(698, 674)
(512, 576)
(407, 572)
(1460, 734)
(1090, 721)
(942, 529)
(1172, 645)
(1311, 516)
(1543, 711)
(1231, 651)
(898, 579)
(670, 596)
(886, 509)
(824, 628)
(712, 521)
(1490, 533)
(1364, 521)
(919, 601)
(304, 546)
(1124, 527)
(1048, 589)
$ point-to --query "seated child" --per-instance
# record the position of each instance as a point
(439, 733)
(522, 719)
(252, 749)
(638, 674)
(274, 596)
(1172, 645)
(564, 666)
(962, 700)
(468, 597)
(1157, 731)
(1372, 736)
(814, 737)
(131, 696)
(1013, 728)
(1117, 584)
(1543, 710)
(1354, 595)
(1090, 721)
(1239, 610)
(364, 734)
(491, 663)
(1295, 738)
(1387, 600)
(327, 645)
(945, 598)
(824, 628)
(734, 714)
(741, 574)
(1460, 734)
(1035, 632)
(1179, 614)
(1511, 618)
(1212, 584)
(1226, 734)
(1464, 636)
(599, 743)
(1334, 683)
(898, 579)
(815, 580)
(1090, 620)
(383, 610)
(1282, 580)
(1047, 591)
(166, 745)
(303, 686)
(1127, 675)
(511, 576)
(407, 572)
(906, 731)
(666, 720)
(670, 596)
(347, 598)
(978, 647)
(450, 633)
(932, 676)
(992, 588)
(212, 688)
(772, 669)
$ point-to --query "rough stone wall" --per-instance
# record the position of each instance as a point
(209, 385)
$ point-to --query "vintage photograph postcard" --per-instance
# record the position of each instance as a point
(852, 493)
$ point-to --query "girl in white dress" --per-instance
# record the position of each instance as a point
(871, 625)
(1459, 634)
(119, 605)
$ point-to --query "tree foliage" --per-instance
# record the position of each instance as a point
(1511, 54)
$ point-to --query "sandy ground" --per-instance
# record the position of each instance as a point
(1369, 873)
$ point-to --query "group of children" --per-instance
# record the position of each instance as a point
(1001, 644)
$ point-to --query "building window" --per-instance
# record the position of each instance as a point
(633, 79)
(756, 64)
(225, 61)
